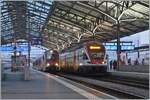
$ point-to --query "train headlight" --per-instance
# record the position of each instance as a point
(51, 51)
(56, 64)
(80, 64)
(104, 62)
(48, 64)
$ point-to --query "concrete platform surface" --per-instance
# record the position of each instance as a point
(9, 75)
(47, 86)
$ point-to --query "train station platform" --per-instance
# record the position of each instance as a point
(134, 68)
(47, 86)
(131, 71)
(136, 75)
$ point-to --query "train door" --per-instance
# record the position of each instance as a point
(74, 61)
(65, 65)
(77, 60)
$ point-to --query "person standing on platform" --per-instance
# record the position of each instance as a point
(111, 62)
(143, 61)
(129, 61)
(136, 62)
(115, 64)
(107, 58)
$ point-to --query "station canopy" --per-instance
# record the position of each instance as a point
(62, 24)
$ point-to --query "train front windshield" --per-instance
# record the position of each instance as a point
(97, 55)
(54, 57)
(96, 51)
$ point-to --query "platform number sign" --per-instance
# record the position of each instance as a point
(36, 41)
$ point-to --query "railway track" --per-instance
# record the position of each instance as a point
(120, 93)
(143, 84)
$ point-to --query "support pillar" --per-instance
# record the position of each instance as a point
(118, 45)
(138, 54)
(27, 68)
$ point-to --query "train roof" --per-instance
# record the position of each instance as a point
(78, 46)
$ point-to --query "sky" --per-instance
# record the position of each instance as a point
(140, 38)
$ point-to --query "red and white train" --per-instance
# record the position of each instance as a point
(52, 61)
(89, 57)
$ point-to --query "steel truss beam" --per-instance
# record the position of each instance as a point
(65, 32)
(74, 19)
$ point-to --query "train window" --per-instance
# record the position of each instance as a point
(85, 56)
(49, 57)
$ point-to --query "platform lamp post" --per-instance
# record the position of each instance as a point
(14, 55)
(29, 46)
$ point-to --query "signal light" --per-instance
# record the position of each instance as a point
(95, 47)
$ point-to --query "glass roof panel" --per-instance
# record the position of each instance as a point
(35, 10)
(141, 8)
